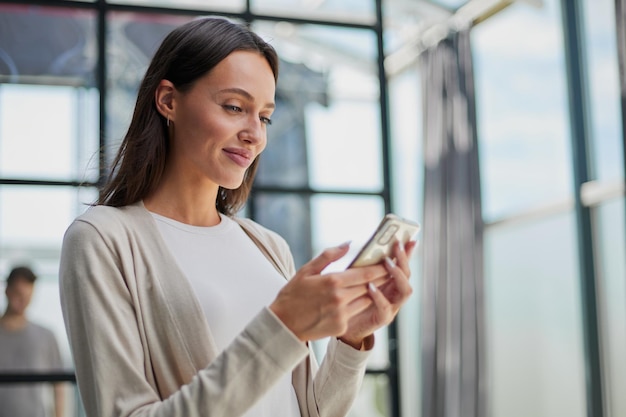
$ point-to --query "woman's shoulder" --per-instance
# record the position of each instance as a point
(108, 215)
(107, 220)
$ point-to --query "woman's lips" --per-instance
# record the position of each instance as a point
(241, 157)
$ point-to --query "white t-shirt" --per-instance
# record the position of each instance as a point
(233, 281)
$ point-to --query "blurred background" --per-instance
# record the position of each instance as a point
(497, 124)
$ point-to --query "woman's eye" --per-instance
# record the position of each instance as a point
(266, 120)
(233, 108)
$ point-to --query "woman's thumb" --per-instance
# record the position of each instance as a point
(328, 256)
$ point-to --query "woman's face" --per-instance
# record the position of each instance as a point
(220, 124)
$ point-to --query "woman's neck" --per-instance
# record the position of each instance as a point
(190, 205)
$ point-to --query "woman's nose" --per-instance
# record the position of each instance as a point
(254, 131)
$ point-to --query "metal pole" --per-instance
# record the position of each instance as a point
(579, 124)
(620, 26)
(393, 370)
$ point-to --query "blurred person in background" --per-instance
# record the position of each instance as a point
(26, 347)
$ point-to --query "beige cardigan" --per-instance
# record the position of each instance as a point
(142, 345)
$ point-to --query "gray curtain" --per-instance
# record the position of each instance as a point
(452, 306)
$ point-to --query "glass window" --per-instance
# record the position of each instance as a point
(289, 215)
(37, 215)
(604, 90)
(356, 11)
(46, 45)
(209, 5)
(607, 166)
(534, 332)
(405, 106)
(611, 229)
(522, 110)
(406, 164)
(344, 137)
(48, 103)
(373, 400)
(328, 111)
(338, 219)
(532, 290)
(312, 223)
(48, 132)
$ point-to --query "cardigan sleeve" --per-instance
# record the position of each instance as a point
(115, 373)
(337, 382)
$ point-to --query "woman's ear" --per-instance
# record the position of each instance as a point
(164, 99)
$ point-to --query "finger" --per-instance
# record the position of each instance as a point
(328, 256)
(409, 247)
(401, 253)
(349, 294)
(362, 275)
(381, 281)
(379, 299)
(359, 305)
(403, 288)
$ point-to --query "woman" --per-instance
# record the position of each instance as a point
(174, 306)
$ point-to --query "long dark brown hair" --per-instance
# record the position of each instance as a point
(185, 55)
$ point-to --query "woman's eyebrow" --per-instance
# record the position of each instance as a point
(245, 94)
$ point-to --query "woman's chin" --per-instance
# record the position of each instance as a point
(232, 185)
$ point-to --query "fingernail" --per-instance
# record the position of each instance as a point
(344, 244)
(372, 287)
(389, 262)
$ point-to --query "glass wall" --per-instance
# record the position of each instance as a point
(354, 11)
(525, 154)
(407, 181)
(536, 347)
(208, 5)
(324, 179)
(48, 145)
(534, 333)
(48, 135)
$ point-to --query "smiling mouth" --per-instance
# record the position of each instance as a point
(240, 157)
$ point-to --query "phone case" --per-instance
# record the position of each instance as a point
(391, 229)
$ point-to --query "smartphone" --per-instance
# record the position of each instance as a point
(391, 229)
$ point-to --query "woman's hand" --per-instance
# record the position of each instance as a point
(314, 306)
(387, 297)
